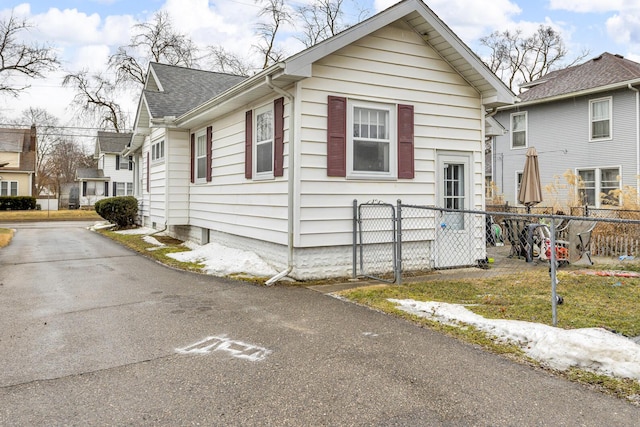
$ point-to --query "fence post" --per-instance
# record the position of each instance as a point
(398, 266)
(355, 237)
(552, 271)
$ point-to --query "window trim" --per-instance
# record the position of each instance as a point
(9, 184)
(157, 150)
(526, 129)
(591, 102)
(392, 140)
(598, 183)
(257, 176)
(200, 179)
(518, 180)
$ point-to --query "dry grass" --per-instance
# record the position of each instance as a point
(5, 236)
(589, 301)
(61, 215)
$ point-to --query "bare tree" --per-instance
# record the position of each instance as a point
(66, 157)
(276, 14)
(96, 100)
(518, 59)
(319, 20)
(221, 60)
(154, 41)
(18, 58)
(47, 133)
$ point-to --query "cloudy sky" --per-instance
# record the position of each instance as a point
(86, 32)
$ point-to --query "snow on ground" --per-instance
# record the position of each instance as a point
(218, 260)
(593, 349)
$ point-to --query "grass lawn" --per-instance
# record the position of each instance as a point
(5, 236)
(589, 301)
(60, 215)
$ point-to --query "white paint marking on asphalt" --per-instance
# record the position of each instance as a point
(235, 348)
(370, 334)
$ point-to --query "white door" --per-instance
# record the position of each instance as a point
(454, 229)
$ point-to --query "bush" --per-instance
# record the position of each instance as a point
(17, 203)
(121, 211)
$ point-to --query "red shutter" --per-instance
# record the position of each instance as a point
(406, 169)
(193, 156)
(248, 144)
(278, 137)
(209, 153)
(336, 136)
(148, 173)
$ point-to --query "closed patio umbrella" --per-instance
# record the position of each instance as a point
(530, 189)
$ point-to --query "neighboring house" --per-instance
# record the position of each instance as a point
(18, 162)
(392, 108)
(583, 119)
(114, 173)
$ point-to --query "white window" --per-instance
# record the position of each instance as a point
(263, 131)
(599, 186)
(600, 112)
(157, 150)
(129, 189)
(519, 130)
(8, 188)
(201, 156)
(120, 189)
(518, 183)
(371, 140)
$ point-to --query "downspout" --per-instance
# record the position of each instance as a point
(637, 135)
(290, 183)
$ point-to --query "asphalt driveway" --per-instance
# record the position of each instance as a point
(94, 334)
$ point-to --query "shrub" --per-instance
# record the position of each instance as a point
(121, 211)
(17, 203)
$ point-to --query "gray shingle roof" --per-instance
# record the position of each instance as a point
(185, 88)
(604, 70)
(88, 173)
(14, 140)
(112, 142)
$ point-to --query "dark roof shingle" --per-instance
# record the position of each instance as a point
(113, 142)
(604, 70)
(185, 89)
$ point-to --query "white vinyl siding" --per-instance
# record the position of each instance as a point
(392, 66)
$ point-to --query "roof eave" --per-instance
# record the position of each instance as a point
(606, 88)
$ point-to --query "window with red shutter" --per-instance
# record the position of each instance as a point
(193, 156)
(406, 160)
(336, 136)
(209, 152)
(248, 144)
(278, 137)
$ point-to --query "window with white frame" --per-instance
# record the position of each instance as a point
(600, 112)
(129, 190)
(157, 150)
(8, 188)
(519, 130)
(201, 156)
(518, 184)
(371, 145)
(124, 189)
(599, 186)
(263, 154)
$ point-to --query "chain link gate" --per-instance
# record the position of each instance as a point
(375, 241)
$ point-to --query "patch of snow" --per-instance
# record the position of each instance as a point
(592, 349)
(152, 240)
(222, 261)
(139, 230)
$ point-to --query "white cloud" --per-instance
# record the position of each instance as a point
(591, 6)
(624, 27)
(469, 19)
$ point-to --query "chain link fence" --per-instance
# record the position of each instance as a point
(406, 242)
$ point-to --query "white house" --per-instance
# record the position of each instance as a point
(113, 175)
(273, 162)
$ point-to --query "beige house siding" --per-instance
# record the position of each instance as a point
(392, 65)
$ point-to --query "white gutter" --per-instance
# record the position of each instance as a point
(637, 135)
(290, 183)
